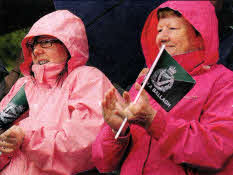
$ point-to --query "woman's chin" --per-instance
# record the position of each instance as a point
(171, 51)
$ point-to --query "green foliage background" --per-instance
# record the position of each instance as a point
(10, 47)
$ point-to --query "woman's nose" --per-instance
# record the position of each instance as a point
(164, 36)
(37, 50)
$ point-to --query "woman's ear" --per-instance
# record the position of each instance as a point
(200, 42)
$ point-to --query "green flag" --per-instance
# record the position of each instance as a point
(15, 108)
(168, 82)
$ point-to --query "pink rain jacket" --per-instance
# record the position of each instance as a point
(198, 131)
(63, 121)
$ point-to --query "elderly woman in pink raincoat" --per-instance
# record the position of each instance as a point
(196, 136)
(64, 97)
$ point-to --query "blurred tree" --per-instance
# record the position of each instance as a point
(10, 47)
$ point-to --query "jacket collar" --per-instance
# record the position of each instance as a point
(191, 61)
(46, 75)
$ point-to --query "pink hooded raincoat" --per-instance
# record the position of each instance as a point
(196, 136)
(63, 121)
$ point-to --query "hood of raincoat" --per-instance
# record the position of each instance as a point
(64, 26)
(201, 14)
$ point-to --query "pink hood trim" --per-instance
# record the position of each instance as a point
(201, 16)
(66, 27)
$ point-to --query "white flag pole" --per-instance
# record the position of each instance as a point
(142, 87)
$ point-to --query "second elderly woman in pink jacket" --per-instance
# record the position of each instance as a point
(64, 98)
(196, 136)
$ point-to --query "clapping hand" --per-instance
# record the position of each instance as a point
(140, 113)
(113, 108)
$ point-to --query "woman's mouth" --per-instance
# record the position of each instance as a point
(41, 62)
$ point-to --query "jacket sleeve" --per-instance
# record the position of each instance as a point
(67, 149)
(205, 143)
(5, 159)
(107, 152)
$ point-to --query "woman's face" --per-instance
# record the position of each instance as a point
(51, 50)
(178, 35)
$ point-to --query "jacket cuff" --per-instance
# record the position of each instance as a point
(4, 160)
(158, 126)
(120, 140)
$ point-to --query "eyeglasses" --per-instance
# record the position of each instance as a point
(46, 43)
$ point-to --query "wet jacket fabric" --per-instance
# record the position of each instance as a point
(195, 137)
(63, 120)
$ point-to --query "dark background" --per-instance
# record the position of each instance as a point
(18, 14)
(114, 29)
